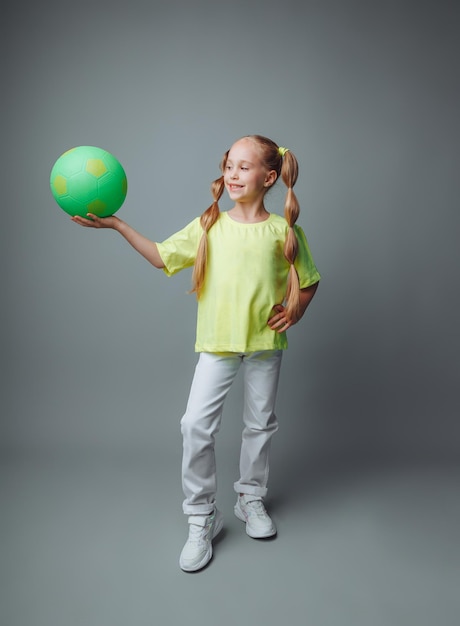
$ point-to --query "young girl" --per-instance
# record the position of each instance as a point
(253, 277)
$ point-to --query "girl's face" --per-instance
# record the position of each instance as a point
(245, 177)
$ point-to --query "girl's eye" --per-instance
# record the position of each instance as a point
(245, 168)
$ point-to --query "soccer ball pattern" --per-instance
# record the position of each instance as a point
(87, 179)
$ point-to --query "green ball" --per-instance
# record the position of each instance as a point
(87, 179)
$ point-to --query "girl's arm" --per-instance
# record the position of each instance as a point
(280, 322)
(148, 249)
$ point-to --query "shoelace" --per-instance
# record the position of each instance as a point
(198, 534)
(256, 507)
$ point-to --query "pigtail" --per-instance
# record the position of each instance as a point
(207, 221)
(289, 173)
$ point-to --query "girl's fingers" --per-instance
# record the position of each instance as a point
(91, 220)
(281, 325)
(279, 322)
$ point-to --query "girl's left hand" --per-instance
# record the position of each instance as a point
(279, 321)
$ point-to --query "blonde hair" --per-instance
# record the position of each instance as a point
(285, 166)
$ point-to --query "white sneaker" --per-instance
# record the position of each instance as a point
(197, 551)
(250, 509)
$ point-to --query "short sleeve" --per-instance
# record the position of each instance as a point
(179, 251)
(304, 263)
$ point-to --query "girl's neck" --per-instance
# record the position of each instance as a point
(250, 214)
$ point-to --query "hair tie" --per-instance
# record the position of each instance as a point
(282, 151)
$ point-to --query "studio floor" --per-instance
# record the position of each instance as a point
(93, 539)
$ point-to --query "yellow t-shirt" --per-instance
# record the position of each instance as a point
(246, 275)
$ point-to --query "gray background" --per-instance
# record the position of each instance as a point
(97, 347)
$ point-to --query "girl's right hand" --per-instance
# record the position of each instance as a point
(93, 221)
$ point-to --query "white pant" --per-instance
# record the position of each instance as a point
(214, 375)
